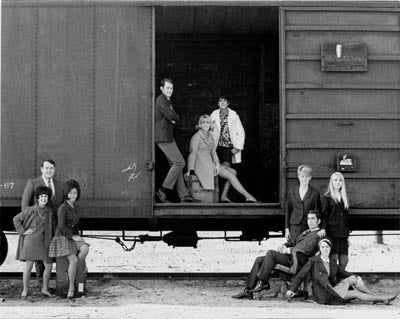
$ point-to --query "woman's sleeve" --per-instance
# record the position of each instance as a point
(194, 146)
(62, 217)
(214, 155)
(301, 275)
(18, 221)
(289, 209)
(326, 208)
(240, 133)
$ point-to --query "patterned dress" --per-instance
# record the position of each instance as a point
(224, 137)
(62, 243)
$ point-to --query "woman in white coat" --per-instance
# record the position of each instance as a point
(229, 138)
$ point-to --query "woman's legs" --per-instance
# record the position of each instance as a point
(26, 276)
(343, 261)
(227, 173)
(351, 294)
(83, 252)
(46, 277)
(73, 264)
(227, 185)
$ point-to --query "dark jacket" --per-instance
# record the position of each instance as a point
(297, 209)
(322, 283)
(165, 118)
(306, 242)
(68, 221)
(334, 218)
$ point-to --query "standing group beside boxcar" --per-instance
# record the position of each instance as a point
(48, 207)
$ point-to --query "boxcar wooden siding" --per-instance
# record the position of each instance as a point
(331, 113)
(77, 87)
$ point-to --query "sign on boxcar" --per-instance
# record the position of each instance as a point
(344, 57)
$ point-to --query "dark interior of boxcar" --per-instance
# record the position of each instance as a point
(233, 51)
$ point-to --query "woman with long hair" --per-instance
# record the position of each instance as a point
(335, 221)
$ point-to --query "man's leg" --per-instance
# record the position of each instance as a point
(177, 163)
(252, 278)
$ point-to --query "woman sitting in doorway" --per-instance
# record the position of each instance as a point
(204, 161)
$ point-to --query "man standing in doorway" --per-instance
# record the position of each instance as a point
(165, 119)
(48, 168)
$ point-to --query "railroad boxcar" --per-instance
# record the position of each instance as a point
(314, 82)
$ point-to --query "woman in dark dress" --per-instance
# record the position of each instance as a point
(300, 200)
(34, 226)
(66, 241)
(335, 223)
(330, 283)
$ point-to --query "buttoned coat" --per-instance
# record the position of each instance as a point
(334, 218)
(305, 242)
(202, 158)
(297, 209)
(165, 118)
(236, 132)
(322, 283)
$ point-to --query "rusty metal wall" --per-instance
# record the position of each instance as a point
(77, 88)
(330, 113)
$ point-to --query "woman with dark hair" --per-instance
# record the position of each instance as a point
(331, 283)
(34, 225)
(204, 161)
(66, 241)
(229, 138)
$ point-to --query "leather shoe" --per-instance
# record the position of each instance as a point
(245, 294)
(189, 199)
(261, 285)
(162, 196)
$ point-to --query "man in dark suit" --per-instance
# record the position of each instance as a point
(165, 119)
(306, 243)
(48, 169)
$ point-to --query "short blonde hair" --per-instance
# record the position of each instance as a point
(305, 169)
(202, 119)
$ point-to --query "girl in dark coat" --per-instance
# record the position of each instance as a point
(300, 200)
(34, 226)
(66, 241)
(335, 223)
(331, 283)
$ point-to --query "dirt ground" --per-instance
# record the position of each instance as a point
(113, 298)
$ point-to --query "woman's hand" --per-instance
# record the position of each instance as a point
(28, 231)
(321, 233)
(290, 294)
(287, 234)
(186, 176)
(77, 238)
(234, 150)
(217, 168)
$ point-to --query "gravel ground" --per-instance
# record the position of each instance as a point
(194, 298)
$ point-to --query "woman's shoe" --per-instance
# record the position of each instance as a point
(46, 294)
(248, 200)
(70, 294)
(389, 300)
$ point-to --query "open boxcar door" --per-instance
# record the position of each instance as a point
(77, 88)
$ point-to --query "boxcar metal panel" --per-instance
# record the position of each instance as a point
(18, 101)
(123, 128)
(64, 113)
(343, 101)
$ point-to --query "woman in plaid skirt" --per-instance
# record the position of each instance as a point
(66, 241)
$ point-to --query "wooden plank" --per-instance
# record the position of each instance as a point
(309, 42)
(318, 116)
(317, 57)
(379, 73)
(340, 17)
(374, 162)
(344, 86)
(343, 131)
(346, 145)
(343, 28)
(217, 210)
(364, 193)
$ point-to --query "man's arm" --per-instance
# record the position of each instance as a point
(166, 109)
(308, 244)
(27, 195)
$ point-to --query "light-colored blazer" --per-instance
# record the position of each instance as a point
(236, 132)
